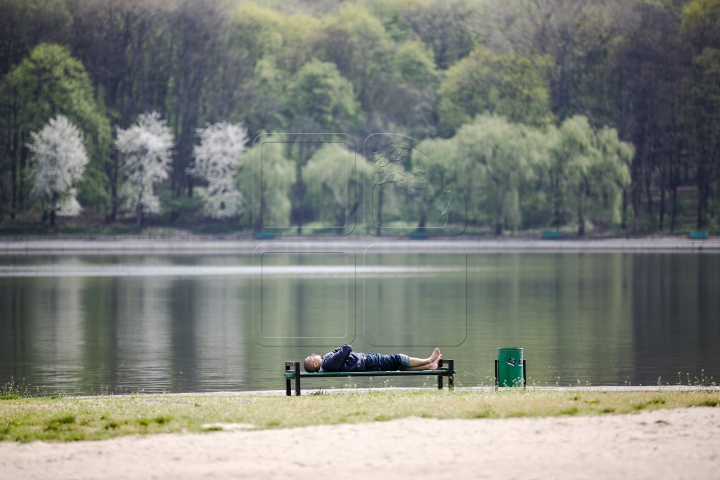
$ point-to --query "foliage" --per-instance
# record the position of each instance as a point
(510, 85)
(59, 161)
(449, 28)
(491, 159)
(588, 170)
(576, 34)
(415, 64)
(268, 184)
(701, 19)
(417, 68)
(320, 93)
(217, 160)
(48, 83)
(145, 148)
(334, 186)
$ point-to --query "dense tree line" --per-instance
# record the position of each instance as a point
(543, 113)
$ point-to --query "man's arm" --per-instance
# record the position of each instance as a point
(332, 362)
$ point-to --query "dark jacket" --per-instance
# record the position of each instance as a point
(343, 359)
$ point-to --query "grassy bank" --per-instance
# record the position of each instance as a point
(101, 417)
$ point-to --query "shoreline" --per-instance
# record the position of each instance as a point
(358, 243)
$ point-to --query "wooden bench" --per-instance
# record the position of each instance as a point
(292, 372)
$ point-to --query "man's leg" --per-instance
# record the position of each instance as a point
(428, 366)
(417, 362)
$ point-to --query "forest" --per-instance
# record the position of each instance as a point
(583, 116)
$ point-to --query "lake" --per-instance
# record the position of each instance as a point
(184, 323)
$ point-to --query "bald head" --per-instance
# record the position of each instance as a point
(312, 363)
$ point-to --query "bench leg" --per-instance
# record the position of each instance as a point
(297, 378)
(288, 392)
(496, 375)
(451, 382)
(440, 382)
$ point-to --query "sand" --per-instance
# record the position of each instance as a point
(662, 444)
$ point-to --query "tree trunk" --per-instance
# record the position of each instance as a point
(298, 191)
(700, 198)
(498, 229)
(674, 209)
(636, 208)
(139, 213)
(112, 169)
(662, 201)
(378, 221)
(699, 211)
(648, 194)
(13, 194)
(53, 221)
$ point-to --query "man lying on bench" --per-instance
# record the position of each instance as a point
(343, 359)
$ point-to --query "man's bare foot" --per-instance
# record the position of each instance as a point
(434, 364)
(435, 355)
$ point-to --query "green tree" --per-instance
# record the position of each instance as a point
(512, 86)
(640, 92)
(48, 83)
(703, 129)
(448, 27)
(320, 93)
(266, 177)
(334, 186)
(588, 170)
(415, 64)
(393, 15)
(701, 21)
(576, 34)
(256, 30)
(491, 159)
(356, 41)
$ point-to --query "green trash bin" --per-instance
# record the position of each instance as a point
(509, 368)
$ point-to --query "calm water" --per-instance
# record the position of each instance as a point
(207, 323)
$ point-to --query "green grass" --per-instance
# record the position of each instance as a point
(101, 417)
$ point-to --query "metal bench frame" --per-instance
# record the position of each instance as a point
(292, 371)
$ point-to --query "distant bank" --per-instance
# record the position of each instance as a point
(200, 245)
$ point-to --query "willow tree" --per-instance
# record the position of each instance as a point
(334, 185)
(588, 169)
(491, 159)
(267, 179)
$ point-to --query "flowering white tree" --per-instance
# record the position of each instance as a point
(146, 149)
(59, 161)
(217, 160)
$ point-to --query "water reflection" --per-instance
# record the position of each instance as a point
(167, 323)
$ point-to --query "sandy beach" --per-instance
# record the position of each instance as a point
(661, 444)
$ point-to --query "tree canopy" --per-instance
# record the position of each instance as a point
(436, 72)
